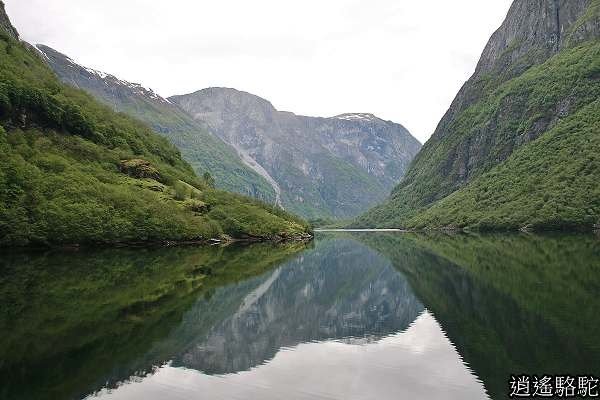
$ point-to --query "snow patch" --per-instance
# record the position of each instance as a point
(135, 87)
(139, 89)
(101, 74)
(356, 117)
(44, 55)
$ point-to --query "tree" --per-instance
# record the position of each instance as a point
(208, 178)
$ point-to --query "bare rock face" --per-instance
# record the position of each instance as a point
(5, 24)
(533, 31)
(322, 167)
(543, 25)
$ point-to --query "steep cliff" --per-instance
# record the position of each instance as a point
(5, 24)
(204, 151)
(323, 167)
(518, 146)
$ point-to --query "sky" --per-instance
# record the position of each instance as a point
(400, 60)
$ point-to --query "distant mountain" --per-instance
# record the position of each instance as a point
(519, 146)
(321, 167)
(203, 150)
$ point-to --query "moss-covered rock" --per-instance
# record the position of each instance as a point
(140, 169)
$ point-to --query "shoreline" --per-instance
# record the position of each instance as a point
(221, 241)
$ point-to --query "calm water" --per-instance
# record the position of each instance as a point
(351, 316)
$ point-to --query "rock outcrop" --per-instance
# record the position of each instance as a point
(5, 24)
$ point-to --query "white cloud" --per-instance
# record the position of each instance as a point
(401, 60)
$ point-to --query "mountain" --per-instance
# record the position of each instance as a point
(322, 167)
(519, 146)
(204, 151)
(74, 171)
(5, 24)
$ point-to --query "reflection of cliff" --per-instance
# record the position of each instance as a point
(510, 304)
(341, 290)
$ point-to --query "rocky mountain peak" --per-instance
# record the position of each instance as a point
(221, 104)
(5, 24)
(537, 71)
(537, 29)
(532, 32)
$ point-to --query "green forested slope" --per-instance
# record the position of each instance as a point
(519, 146)
(74, 171)
(553, 183)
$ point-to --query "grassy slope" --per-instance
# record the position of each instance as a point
(59, 171)
(531, 186)
(550, 184)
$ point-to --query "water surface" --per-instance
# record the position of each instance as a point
(362, 315)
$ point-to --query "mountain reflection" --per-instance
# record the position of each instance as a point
(340, 290)
(512, 303)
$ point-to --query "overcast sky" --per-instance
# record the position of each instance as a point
(401, 60)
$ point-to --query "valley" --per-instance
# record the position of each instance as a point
(314, 167)
(209, 245)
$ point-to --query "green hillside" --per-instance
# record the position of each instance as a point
(519, 146)
(74, 171)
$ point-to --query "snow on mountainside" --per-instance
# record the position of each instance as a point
(356, 117)
(108, 78)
